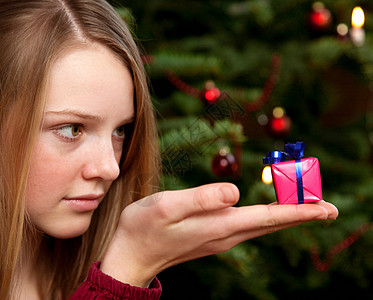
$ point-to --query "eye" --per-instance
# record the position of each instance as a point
(69, 132)
(120, 132)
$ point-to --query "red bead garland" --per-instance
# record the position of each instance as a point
(268, 86)
(352, 238)
(251, 107)
(182, 85)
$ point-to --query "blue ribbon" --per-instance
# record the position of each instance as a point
(298, 168)
(296, 152)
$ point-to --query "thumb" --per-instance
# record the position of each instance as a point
(215, 196)
(201, 199)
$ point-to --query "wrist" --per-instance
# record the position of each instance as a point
(125, 265)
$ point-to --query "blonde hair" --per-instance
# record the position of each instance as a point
(33, 34)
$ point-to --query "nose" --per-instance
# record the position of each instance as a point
(101, 162)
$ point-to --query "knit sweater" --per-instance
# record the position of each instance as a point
(100, 286)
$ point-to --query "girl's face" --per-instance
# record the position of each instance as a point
(76, 156)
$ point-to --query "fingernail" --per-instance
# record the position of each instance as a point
(226, 194)
(333, 217)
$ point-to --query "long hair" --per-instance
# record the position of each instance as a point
(34, 33)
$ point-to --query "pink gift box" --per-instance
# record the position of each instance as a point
(285, 181)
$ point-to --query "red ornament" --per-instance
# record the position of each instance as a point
(319, 19)
(279, 127)
(224, 164)
(210, 94)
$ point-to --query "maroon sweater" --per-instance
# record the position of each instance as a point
(100, 286)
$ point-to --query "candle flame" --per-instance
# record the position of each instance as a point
(267, 175)
(357, 18)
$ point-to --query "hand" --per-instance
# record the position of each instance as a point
(172, 227)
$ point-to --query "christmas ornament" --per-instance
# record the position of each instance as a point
(319, 19)
(279, 126)
(210, 94)
(224, 164)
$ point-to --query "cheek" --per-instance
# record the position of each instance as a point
(47, 173)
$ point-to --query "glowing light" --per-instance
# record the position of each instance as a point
(357, 32)
(357, 17)
(267, 175)
(342, 29)
(278, 112)
(224, 151)
(262, 119)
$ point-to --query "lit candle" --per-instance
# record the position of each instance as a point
(357, 33)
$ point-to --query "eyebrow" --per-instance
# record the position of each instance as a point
(83, 115)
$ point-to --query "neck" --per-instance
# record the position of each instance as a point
(29, 285)
(27, 277)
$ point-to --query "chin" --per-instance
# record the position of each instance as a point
(68, 228)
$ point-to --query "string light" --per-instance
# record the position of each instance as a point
(278, 112)
(357, 32)
(342, 31)
(357, 17)
(267, 175)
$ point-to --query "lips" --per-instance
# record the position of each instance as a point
(88, 197)
(83, 203)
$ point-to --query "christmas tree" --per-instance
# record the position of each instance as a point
(234, 80)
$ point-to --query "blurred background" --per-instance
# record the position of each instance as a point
(232, 80)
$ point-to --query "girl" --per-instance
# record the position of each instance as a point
(78, 149)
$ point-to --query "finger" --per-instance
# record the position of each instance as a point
(332, 211)
(222, 245)
(270, 218)
(185, 203)
(285, 219)
(244, 223)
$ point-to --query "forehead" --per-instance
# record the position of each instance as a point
(93, 79)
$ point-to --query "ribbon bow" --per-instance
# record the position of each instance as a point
(294, 151)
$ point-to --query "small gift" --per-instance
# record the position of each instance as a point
(298, 180)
